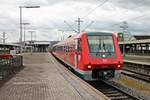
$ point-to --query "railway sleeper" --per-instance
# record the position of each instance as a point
(120, 98)
(115, 94)
(109, 92)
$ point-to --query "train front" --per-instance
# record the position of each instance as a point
(102, 57)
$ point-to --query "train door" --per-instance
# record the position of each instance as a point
(77, 56)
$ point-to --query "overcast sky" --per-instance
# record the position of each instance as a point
(48, 20)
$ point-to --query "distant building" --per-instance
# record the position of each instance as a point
(129, 37)
(53, 42)
(120, 37)
(142, 37)
(125, 37)
(37, 46)
(7, 48)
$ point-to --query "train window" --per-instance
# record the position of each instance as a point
(78, 45)
(70, 49)
(66, 48)
(101, 46)
(63, 48)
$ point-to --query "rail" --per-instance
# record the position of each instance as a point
(141, 68)
(136, 75)
(113, 91)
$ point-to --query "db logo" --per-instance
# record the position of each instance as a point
(104, 60)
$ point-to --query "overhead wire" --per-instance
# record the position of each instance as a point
(99, 5)
(88, 25)
(134, 18)
(137, 17)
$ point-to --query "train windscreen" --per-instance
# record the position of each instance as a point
(101, 46)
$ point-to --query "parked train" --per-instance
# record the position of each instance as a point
(92, 55)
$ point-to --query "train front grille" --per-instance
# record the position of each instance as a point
(103, 73)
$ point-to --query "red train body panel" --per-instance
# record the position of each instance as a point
(93, 55)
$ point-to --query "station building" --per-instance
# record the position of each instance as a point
(8, 47)
(38, 46)
(138, 45)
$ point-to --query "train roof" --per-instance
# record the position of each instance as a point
(98, 33)
(82, 33)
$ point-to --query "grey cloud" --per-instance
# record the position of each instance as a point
(32, 2)
(134, 27)
(131, 4)
(60, 1)
(50, 26)
(52, 2)
(139, 27)
(8, 24)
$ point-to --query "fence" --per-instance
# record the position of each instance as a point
(10, 66)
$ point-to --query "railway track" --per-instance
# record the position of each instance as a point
(136, 75)
(137, 68)
(111, 91)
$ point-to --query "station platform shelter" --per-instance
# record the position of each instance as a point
(7, 47)
(135, 44)
(136, 47)
(38, 46)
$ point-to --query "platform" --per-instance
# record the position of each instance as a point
(143, 60)
(43, 78)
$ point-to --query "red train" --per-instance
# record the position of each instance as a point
(92, 55)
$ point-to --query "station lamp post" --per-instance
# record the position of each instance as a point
(25, 33)
(62, 37)
(20, 7)
(124, 27)
(31, 43)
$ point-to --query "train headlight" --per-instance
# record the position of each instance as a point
(89, 66)
(118, 66)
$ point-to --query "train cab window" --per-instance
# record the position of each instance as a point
(101, 46)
